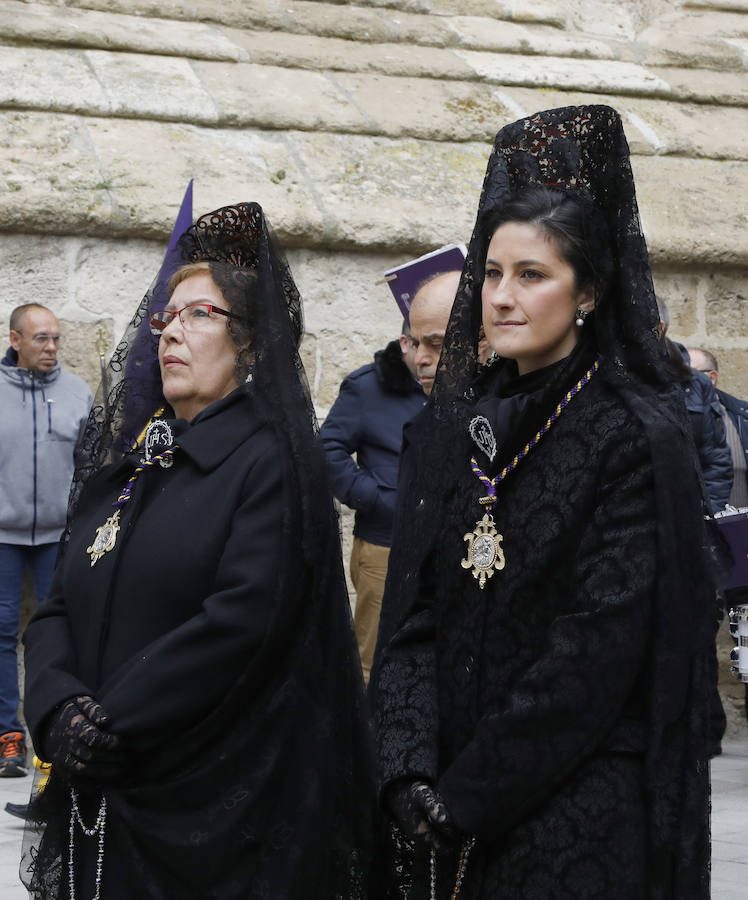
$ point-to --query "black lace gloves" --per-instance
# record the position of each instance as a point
(76, 742)
(420, 812)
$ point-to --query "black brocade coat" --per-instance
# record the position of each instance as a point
(200, 639)
(525, 703)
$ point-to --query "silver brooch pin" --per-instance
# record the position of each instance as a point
(482, 433)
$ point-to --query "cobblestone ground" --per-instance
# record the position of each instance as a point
(729, 827)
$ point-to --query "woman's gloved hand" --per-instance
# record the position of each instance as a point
(420, 812)
(77, 743)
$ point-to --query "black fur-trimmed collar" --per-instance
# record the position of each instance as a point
(392, 373)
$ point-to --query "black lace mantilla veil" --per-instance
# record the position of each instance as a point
(325, 846)
(131, 393)
(583, 150)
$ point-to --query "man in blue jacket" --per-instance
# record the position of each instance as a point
(367, 420)
(44, 410)
(735, 416)
(705, 416)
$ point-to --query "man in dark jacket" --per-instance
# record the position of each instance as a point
(716, 470)
(44, 408)
(709, 433)
(367, 420)
(735, 417)
(705, 416)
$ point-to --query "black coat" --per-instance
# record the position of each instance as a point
(525, 702)
(737, 410)
(702, 404)
(198, 636)
(143, 627)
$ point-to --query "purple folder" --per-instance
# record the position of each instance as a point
(405, 280)
(734, 527)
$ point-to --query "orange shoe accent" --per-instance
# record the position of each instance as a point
(13, 744)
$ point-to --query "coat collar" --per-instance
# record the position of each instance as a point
(217, 431)
(391, 371)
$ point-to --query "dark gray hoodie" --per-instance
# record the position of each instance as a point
(41, 418)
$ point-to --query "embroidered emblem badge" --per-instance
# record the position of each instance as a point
(158, 437)
(482, 433)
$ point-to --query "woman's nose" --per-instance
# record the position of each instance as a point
(502, 295)
(174, 330)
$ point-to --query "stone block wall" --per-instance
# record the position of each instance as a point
(363, 129)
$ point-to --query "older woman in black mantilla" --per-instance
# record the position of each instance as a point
(193, 678)
(540, 683)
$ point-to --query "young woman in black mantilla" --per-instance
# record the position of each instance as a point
(193, 678)
(540, 684)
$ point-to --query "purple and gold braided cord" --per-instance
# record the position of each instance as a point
(127, 490)
(492, 483)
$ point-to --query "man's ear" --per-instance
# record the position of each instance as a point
(15, 340)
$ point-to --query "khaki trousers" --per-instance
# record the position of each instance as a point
(368, 573)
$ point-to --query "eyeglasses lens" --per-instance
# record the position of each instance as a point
(159, 321)
(193, 318)
(196, 316)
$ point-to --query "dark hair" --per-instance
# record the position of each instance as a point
(572, 222)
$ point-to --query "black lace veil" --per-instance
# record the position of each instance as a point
(236, 241)
(583, 151)
(324, 844)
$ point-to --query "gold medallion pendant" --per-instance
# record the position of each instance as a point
(106, 538)
(484, 553)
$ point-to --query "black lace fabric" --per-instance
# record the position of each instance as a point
(247, 802)
(573, 689)
(582, 150)
(237, 240)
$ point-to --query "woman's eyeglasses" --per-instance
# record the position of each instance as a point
(195, 317)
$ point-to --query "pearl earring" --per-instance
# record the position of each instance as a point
(581, 316)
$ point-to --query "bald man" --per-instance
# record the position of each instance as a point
(429, 315)
(44, 411)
